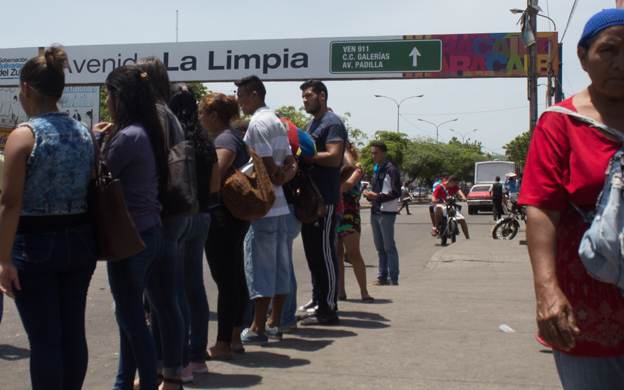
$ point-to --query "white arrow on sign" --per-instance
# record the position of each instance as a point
(415, 54)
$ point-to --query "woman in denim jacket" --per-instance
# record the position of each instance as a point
(47, 248)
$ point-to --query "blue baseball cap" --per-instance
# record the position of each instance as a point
(600, 21)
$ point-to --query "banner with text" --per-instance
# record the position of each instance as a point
(390, 57)
(81, 103)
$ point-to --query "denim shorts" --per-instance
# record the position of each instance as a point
(266, 257)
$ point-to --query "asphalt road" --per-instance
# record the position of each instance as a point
(409, 338)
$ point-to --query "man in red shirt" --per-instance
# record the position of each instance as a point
(442, 191)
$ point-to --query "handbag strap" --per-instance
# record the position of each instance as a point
(238, 136)
(97, 155)
(593, 123)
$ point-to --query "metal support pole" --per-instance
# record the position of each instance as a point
(532, 76)
(559, 83)
(398, 115)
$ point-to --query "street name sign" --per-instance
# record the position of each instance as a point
(397, 56)
(343, 58)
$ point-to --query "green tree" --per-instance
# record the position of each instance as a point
(199, 90)
(396, 144)
(424, 159)
(518, 148)
(104, 114)
(298, 117)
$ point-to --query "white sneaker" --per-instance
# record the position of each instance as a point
(307, 306)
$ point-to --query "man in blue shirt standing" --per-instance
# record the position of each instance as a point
(386, 189)
(330, 136)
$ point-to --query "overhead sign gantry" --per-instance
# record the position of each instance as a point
(386, 57)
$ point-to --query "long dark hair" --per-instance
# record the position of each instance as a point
(158, 77)
(184, 107)
(135, 101)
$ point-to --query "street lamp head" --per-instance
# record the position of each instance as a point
(516, 11)
(378, 96)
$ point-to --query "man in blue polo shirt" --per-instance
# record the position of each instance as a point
(330, 136)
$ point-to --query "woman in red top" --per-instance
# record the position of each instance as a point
(580, 317)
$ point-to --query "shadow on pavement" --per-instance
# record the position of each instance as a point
(266, 360)
(301, 344)
(11, 353)
(218, 381)
(363, 324)
(362, 315)
(322, 333)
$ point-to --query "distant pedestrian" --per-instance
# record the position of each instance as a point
(496, 193)
(48, 247)
(386, 189)
(405, 199)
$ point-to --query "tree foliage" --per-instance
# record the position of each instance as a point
(199, 90)
(298, 117)
(104, 114)
(518, 148)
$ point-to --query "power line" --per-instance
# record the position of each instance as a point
(569, 19)
(424, 131)
(472, 112)
(569, 83)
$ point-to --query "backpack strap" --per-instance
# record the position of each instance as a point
(593, 123)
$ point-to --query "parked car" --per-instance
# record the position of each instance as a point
(419, 192)
(479, 199)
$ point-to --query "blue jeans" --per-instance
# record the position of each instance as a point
(128, 281)
(167, 320)
(266, 258)
(196, 316)
(293, 227)
(579, 373)
(54, 271)
(383, 235)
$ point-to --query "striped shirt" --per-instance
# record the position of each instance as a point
(267, 137)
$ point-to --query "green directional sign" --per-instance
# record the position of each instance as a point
(407, 56)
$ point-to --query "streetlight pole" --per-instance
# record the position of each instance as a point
(398, 104)
(437, 126)
(463, 135)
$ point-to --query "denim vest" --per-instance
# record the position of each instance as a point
(59, 168)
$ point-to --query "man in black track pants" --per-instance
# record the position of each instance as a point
(330, 135)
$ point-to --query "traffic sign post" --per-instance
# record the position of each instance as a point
(407, 56)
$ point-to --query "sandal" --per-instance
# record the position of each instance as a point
(174, 382)
(368, 299)
(223, 358)
(434, 232)
(343, 298)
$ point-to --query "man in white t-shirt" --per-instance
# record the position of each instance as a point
(267, 264)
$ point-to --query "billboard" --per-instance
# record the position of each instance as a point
(81, 103)
(360, 58)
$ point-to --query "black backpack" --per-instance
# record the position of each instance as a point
(180, 199)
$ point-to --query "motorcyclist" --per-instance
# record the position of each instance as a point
(450, 188)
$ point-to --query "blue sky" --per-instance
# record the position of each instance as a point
(496, 107)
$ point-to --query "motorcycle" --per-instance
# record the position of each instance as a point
(506, 228)
(448, 224)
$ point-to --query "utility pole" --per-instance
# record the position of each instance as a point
(532, 70)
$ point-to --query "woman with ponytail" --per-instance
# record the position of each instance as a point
(47, 248)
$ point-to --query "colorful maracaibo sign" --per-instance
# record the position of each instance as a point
(489, 55)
